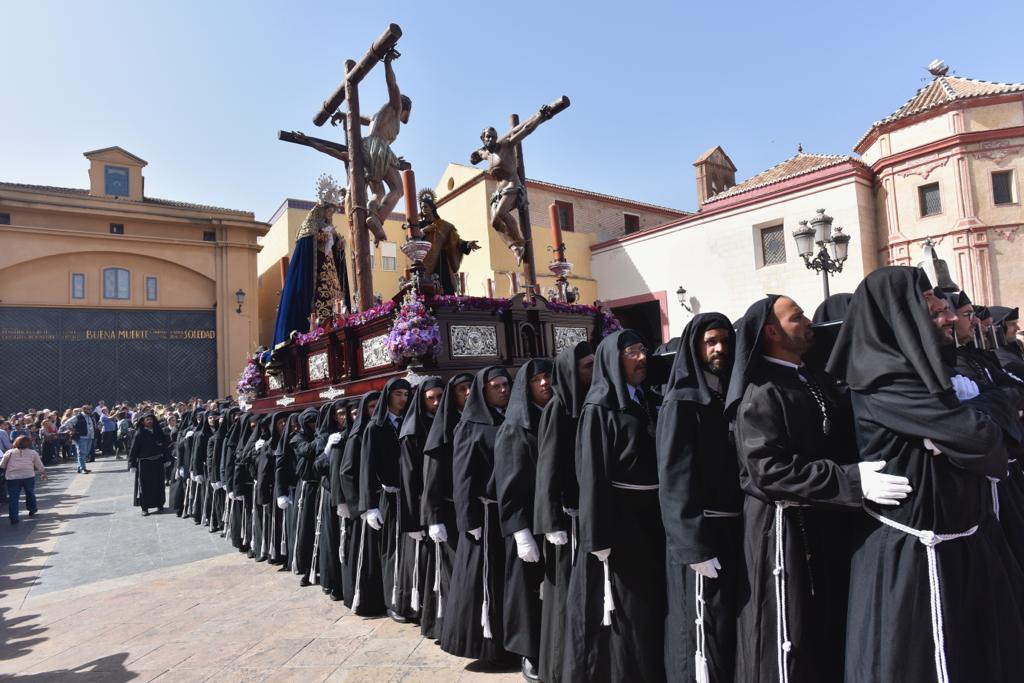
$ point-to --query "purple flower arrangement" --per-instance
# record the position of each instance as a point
(251, 379)
(415, 334)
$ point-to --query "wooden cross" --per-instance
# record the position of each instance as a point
(351, 153)
(500, 169)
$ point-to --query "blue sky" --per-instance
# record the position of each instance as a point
(199, 89)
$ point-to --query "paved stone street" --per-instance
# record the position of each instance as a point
(91, 590)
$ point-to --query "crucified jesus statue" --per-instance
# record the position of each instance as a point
(381, 166)
(500, 153)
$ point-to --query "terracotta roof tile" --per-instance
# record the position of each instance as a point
(79, 192)
(798, 165)
(943, 90)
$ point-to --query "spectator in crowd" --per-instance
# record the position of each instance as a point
(108, 433)
(20, 465)
(84, 435)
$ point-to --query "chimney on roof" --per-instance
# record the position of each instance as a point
(715, 173)
(937, 68)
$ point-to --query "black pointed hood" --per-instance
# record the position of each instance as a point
(521, 411)
(417, 421)
(746, 360)
(889, 334)
(477, 410)
(566, 380)
(687, 381)
(609, 387)
(442, 431)
(362, 419)
(277, 441)
(380, 415)
(833, 309)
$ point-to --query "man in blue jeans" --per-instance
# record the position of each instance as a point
(85, 434)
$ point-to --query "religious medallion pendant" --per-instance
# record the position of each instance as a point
(826, 426)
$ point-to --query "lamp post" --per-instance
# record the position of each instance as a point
(681, 297)
(833, 246)
(240, 298)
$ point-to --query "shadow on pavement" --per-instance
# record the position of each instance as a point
(108, 669)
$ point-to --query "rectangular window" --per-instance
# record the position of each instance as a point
(115, 181)
(116, 283)
(150, 288)
(388, 256)
(77, 285)
(773, 245)
(565, 217)
(117, 228)
(1002, 187)
(632, 222)
(5, 219)
(209, 236)
(929, 198)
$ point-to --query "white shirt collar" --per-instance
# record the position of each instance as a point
(783, 363)
(393, 418)
(632, 392)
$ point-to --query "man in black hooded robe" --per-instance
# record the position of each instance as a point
(329, 443)
(296, 480)
(701, 505)
(556, 499)
(214, 467)
(1008, 349)
(473, 623)
(265, 503)
(236, 489)
(248, 516)
(146, 459)
(200, 446)
(418, 419)
(515, 474)
(799, 469)
(923, 567)
(437, 506)
(363, 583)
(614, 624)
(380, 480)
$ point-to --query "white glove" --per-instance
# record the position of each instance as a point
(200, 479)
(601, 554)
(283, 502)
(572, 512)
(231, 495)
(189, 433)
(259, 443)
(334, 439)
(476, 533)
(415, 535)
(438, 533)
(217, 485)
(884, 489)
(343, 510)
(557, 537)
(526, 546)
(930, 446)
(374, 519)
(181, 471)
(707, 568)
(965, 388)
(131, 469)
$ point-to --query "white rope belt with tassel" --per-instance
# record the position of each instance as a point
(485, 610)
(930, 539)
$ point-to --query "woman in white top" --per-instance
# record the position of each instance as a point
(21, 464)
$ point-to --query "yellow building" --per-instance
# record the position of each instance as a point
(387, 262)
(108, 293)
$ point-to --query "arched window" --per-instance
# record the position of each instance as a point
(117, 283)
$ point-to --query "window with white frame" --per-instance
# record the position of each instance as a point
(388, 256)
(77, 285)
(116, 283)
(151, 288)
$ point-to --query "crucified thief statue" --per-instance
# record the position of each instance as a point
(500, 154)
(381, 166)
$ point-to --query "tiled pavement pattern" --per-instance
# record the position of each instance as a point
(92, 591)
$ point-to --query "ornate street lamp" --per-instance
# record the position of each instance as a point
(833, 246)
(240, 298)
(681, 297)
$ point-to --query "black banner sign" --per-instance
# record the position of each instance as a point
(62, 357)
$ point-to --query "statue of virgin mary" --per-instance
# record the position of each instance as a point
(317, 277)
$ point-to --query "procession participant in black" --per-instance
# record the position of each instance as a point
(1007, 349)
(181, 487)
(215, 453)
(362, 577)
(615, 609)
(472, 613)
(437, 506)
(241, 468)
(188, 443)
(345, 522)
(556, 501)
(146, 460)
(798, 468)
(418, 419)
(923, 561)
(264, 457)
(295, 470)
(200, 444)
(701, 504)
(330, 437)
(515, 476)
(379, 484)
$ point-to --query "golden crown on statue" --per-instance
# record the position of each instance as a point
(328, 191)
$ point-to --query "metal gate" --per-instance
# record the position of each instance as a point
(62, 357)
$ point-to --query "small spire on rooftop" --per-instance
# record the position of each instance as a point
(937, 68)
